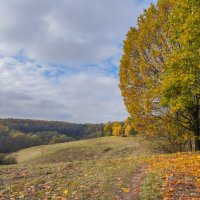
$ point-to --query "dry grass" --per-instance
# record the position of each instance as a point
(99, 148)
(89, 169)
(96, 179)
(99, 169)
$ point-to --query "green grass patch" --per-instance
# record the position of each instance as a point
(151, 187)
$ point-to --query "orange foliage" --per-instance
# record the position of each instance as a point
(180, 173)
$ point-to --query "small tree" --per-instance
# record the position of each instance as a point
(100, 134)
(117, 129)
(128, 130)
(107, 130)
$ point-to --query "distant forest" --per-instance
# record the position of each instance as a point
(16, 134)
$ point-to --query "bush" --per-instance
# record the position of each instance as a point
(2, 156)
(107, 149)
(124, 135)
(100, 134)
(170, 142)
(7, 160)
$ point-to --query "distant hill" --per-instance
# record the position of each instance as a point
(73, 130)
(16, 134)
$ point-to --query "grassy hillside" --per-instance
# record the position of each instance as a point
(99, 148)
(103, 168)
(88, 169)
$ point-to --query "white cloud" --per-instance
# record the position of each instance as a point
(66, 31)
(82, 97)
(82, 36)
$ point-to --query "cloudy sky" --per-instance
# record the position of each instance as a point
(59, 60)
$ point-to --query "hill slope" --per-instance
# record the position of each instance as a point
(103, 168)
(73, 130)
(89, 169)
(98, 148)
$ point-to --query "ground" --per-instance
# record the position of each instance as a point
(103, 168)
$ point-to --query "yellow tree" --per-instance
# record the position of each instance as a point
(128, 130)
(159, 71)
(145, 50)
(117, 129)
(180, 79)
(107, 130)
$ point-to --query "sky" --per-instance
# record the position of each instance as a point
(59, 60)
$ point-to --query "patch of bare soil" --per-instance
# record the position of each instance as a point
(134, 184)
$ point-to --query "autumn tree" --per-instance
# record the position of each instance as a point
(107, 130)
(128, 130)
(120, 130)
(128, 127)
(159, 71)
(117, 129)
(180, 79)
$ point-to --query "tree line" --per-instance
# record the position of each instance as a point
(74, 130)
(16, 134)
(11, 140)
(118, 129)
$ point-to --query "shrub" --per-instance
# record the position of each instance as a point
(100, 134)
(7, 160)
(2, 156)
(107, 149)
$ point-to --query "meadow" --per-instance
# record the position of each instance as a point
(101, 168)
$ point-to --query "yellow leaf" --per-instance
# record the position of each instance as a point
(125, 190)
(66, 192)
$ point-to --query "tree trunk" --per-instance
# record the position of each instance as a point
(197, 144)
(190, 144)
(197, 128)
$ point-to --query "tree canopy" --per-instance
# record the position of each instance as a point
(160, 70)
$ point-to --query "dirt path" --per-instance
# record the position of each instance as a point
(134, 184)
